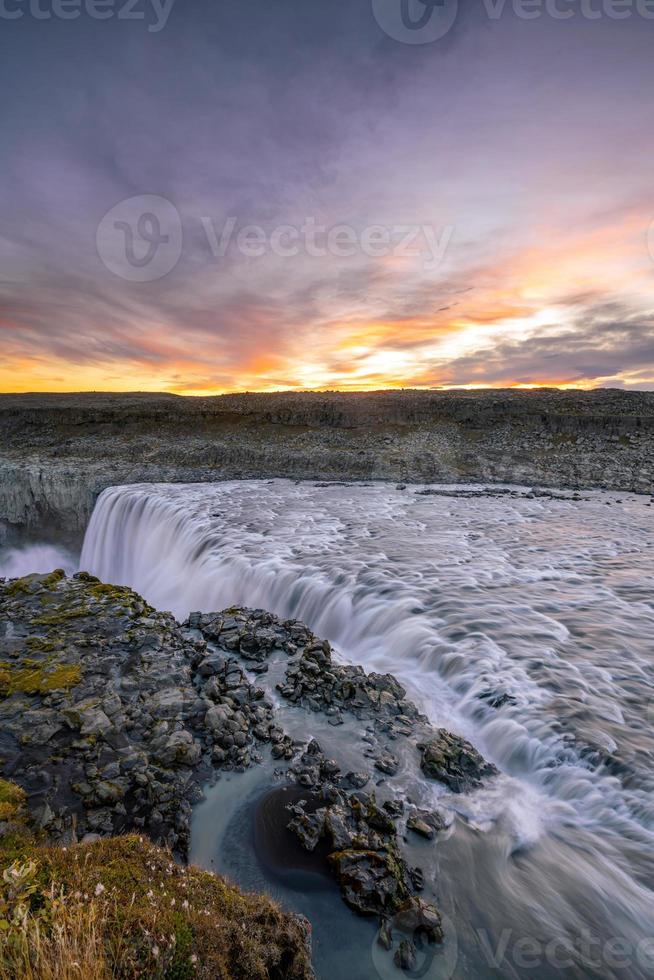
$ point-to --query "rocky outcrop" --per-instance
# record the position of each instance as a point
(113, 716)
(454, 761)
(98, 711)
(360, 836)
(59, 452)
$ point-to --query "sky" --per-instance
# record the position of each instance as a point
(201, 196)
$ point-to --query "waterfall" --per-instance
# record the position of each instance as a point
(460, 599)
(521, 622)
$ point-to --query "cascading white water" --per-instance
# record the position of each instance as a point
(524, 623)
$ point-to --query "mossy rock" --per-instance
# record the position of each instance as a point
(12, 801)
(33, 677)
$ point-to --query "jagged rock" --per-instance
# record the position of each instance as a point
(371, 882)
(405, 956)
(417, 917)
(454, 761)
(387, 763)
(426, 823)
(385, 936)
(357, 779)
(309, 828)
(214, 663)
(497, 699)
(133, 712)
(179, 749)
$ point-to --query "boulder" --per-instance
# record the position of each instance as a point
(454, 761)
(371, 882)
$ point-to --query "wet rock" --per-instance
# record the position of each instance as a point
(385, 936)
(371, 882)
(387, 763)
(357, 779)
(425, 823)
(309, 828)
(153, 708)
(454, 761)
(89, 718)
(405, 956)
(417, 917)
(99, 692)
(417, 878)
(210, 665)
(497, 699)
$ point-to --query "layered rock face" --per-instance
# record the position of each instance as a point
(57, 453)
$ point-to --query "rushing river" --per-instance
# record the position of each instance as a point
(523, 622)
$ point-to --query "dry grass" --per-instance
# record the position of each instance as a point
(69, 949)
(122, 909)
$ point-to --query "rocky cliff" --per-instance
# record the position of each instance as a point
(57, 452)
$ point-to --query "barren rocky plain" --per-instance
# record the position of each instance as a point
(58, 452)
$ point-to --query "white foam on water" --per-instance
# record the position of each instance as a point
(39, 558)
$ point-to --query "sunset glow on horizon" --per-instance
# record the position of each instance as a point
(529, 191)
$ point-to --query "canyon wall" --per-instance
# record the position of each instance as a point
(58, 452)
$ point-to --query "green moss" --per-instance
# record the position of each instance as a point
(34, 677)
(32, 583)
(182, 966)
(61, 616)
(18, 587)
(100, 590)
(12, 800)
(51, 580)
(40, 645)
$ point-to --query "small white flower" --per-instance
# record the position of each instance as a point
(155, 951)
(99, 888)
(194, 958)
(185, 903)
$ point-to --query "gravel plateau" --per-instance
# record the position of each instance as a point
(58, 452)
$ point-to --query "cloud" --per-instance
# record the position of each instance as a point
(605, 343)
(272, 112)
